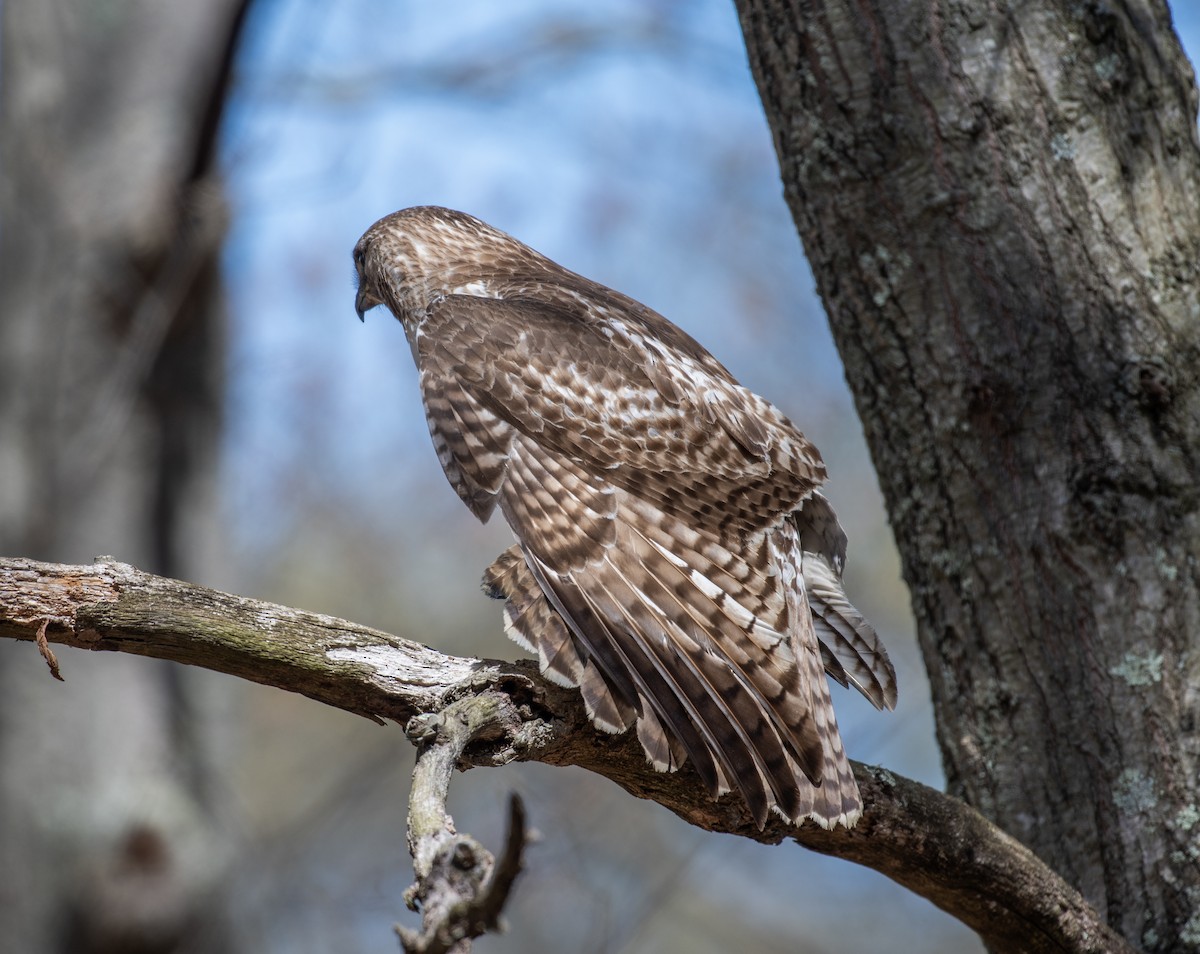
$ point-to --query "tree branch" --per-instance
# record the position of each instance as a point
(927, 841)
(459, 887)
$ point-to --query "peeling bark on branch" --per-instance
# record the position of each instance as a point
(926, 841)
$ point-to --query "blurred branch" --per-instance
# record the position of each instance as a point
(493, 69)
(927, 841)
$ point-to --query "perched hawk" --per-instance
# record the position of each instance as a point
(674, 559)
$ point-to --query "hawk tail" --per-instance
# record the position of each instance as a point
(850, 648)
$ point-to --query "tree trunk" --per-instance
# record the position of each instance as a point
(111, 334)
(1000, 208)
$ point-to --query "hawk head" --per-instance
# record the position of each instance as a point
(411, 258)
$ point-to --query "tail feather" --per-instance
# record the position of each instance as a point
(852, 650)
(847, 637)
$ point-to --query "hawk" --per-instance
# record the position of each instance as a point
(674, 559)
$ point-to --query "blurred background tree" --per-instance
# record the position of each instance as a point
(113, 826)
(281, 452)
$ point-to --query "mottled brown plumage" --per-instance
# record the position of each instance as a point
(674, 559)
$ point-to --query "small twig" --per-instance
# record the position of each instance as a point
(43, 646)
(460, 889)
(491, 900)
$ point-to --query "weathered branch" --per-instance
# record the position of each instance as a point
(460, 889)
(925, 840)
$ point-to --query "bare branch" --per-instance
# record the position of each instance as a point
(460, 889)
(925, 840)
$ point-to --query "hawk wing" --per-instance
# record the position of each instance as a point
(650, 497)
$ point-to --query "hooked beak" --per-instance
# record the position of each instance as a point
(364, 301)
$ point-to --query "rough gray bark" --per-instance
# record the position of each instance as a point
(1000, 207)
(927, 841)
(111, 333)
